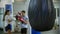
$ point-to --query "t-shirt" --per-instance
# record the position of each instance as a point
(23, 25)
(10, 18)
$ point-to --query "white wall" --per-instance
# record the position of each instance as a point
(57, 5)
(19, 6)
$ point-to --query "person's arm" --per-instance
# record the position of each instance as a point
(25, 21)
(9, 20)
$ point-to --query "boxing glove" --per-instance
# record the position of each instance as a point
(20, 19)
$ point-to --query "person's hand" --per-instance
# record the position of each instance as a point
(24, 21)
(20, 19)
(9, 20)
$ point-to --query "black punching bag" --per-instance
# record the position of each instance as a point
(41, 14)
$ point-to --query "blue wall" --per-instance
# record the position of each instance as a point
(8, 7)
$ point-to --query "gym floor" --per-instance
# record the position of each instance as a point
(1, 32)
(47, 32)
(51, 32)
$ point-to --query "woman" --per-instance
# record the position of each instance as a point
(7, 19)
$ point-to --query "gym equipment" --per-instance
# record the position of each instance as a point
(35, 32)
(41, 14)
(18, 17)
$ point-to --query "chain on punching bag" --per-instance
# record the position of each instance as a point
(41, 14)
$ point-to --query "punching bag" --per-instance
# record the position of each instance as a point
(35, 32)
(41, 14)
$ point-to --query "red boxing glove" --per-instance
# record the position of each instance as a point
(20, 19)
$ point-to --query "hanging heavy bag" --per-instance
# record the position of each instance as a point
(41, 14)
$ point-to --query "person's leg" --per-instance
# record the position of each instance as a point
(24, 31)
(21, 30)
(9, 31)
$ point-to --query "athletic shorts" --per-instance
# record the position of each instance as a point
(23, 30)
(8, 27)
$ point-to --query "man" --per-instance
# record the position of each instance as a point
(24, 24)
